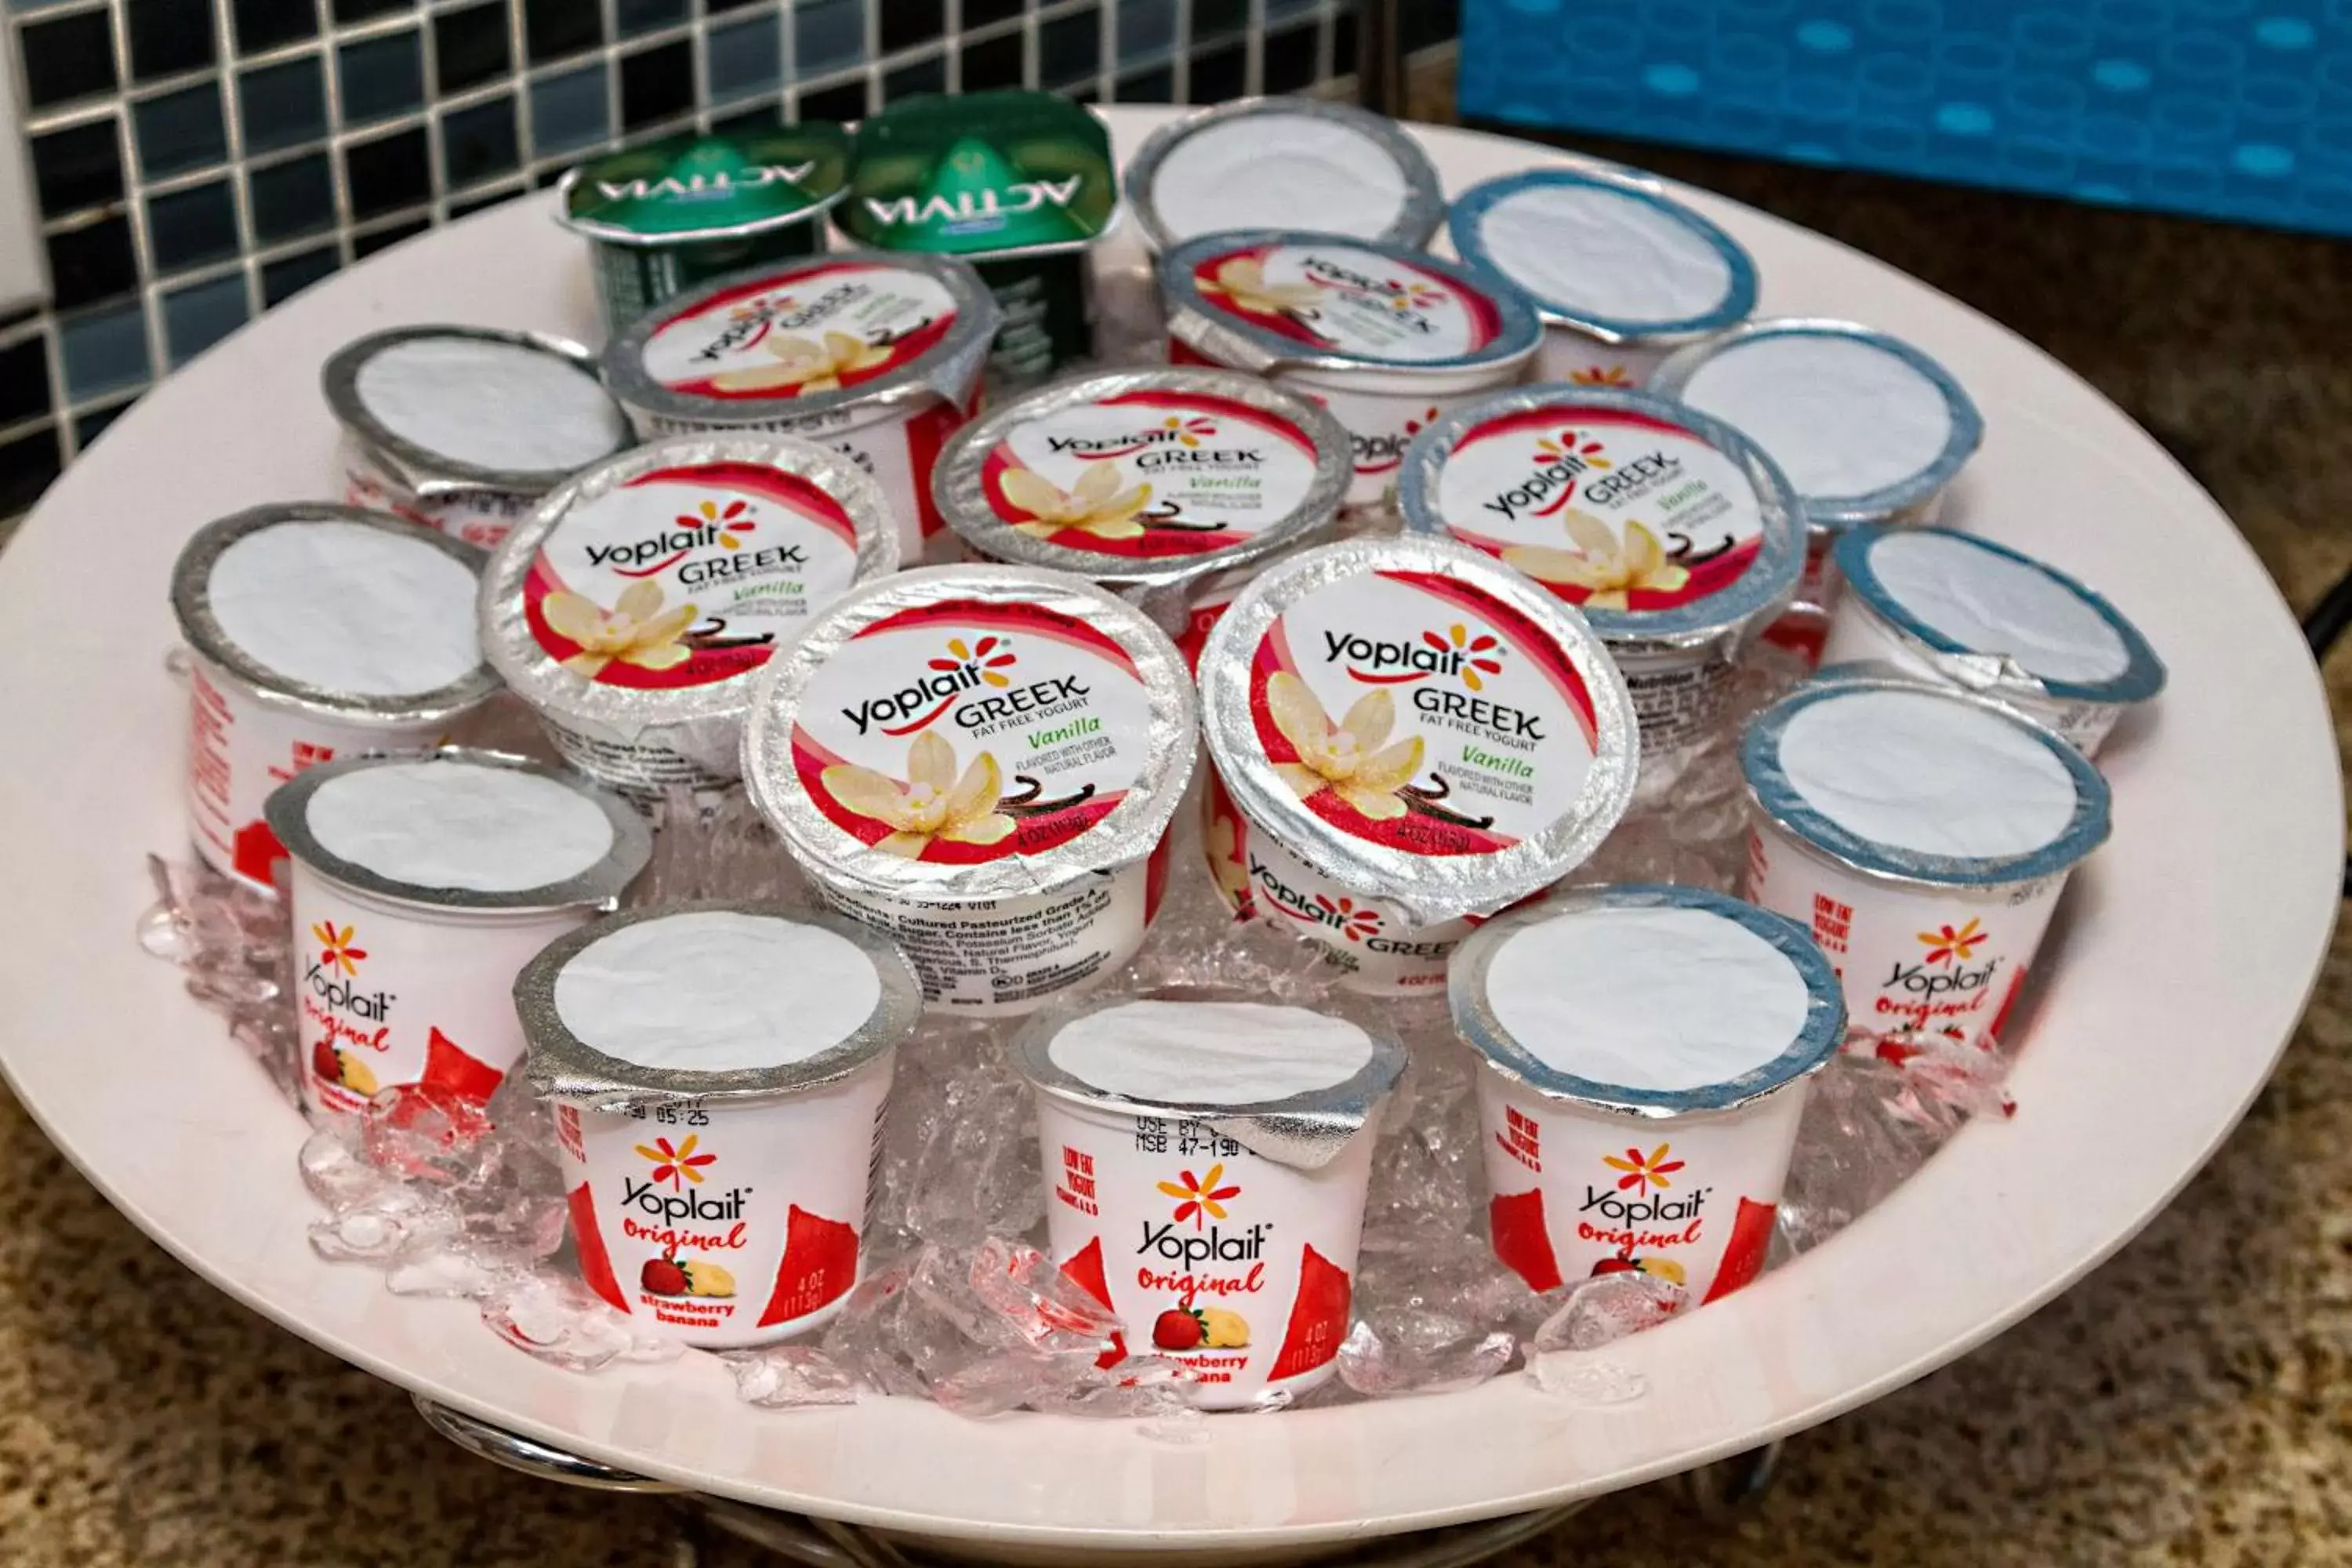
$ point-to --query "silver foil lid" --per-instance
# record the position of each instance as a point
(1418, 723)
(1419, 206)
(1472, 1003)
(1964, 434)
(794, 340)
(1145, 479)
(602, 883)
(561, 1067)
(200, 626)
(590, 607)
(429, 473)
(873, 746)
(1306, 1130)
(1533, 458)
(1260, 299)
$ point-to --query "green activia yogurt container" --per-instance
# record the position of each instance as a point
(1018, 183)
(664, 217)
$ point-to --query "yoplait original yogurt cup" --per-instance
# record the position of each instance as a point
(421, 886)
(634, 607)
(1951, 608)
(1622, 274)
(1284, 163)
(1207, 1159)
(1923, 836)
(1645, 1055)
(1384, 337)
(1408, 735)
(463, 429)
(719, 1074)
(876, 355)
(1149, 482)
(981, 762)
(1677, 538)
(315, 631)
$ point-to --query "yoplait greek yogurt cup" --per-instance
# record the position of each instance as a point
(1868, 428)
(1409, 735)
(1384, 337)
(1677, 538)
(664, 217)
(1953, 608)
(1147, 482)
(1284, 163)
(1923, 836)
(1206, 1160)
(634, 607)
(420, 886)
(981, 762)
(877, 356)
(463, 429)
(719, 1074)
(314, 631)
(1622, 274)
(1645, 1055)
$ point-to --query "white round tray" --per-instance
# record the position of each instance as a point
(2183, 957)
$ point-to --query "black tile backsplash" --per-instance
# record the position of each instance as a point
(558, 29)
(283, 278)
(92, 262)
(656, 84)
(188, 228)
(387, 175)
(77, 167)
(261, 24)
(993, 62)
(24, 381)
(909, 24)
(1220, 74)
(381, 79)
(292, 198)
(1069, 48)
(469, 47)
(67, 57)
(928, 74)
(180, 131)
(282, 105)
(168, 36)
(479, 144)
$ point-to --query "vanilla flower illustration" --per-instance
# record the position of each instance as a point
(806, 365)
(637, 630)
(1242, 281)
(1605, 569)
(931, 802)
(1346, 758)
(1094, 505)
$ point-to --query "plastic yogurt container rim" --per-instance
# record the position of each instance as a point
(289, 813)
(1423, 209)
(192, 604)
(539, 678)
(947, 369)
(561, 1067)
(1998, 673)
(1462, 226)
(608, 233)
(1125, 835)
(1846, 511)
(1767, 583)
(421, 467)
(1429, 887)
(1815, 1042)
(1306, 1130)
(1228, 341)
(1771, 793)
(957, 481)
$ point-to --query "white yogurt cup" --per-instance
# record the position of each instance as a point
(1408, 736)
(877, 356)
(637, 605)
(1206, 1160)
(719, 1074)
(1964, 611)
(1867, 428)
(1148, 482)
(1284, 163)
(1675, 536)
(981, 762)
(1646, 1051)
(1622, 274)
(316, 631)
(464, 428)
(1384, 337)
(421, 886)
(1922, 834)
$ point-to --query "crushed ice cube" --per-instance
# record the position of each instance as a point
(1605, 1308)
(790, 1377)
(557, 1319)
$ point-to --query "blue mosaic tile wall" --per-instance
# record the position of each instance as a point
(2230, 109)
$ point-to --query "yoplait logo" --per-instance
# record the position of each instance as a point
(1175, 430)
(680, 1168)
(1634, 1194)
(751, 319)
(1556, 466)
(1343, 914)
(966, 665)
(1940, 980)
(1457, 651)
(330, 975)
(728, 526)
(1408, 301)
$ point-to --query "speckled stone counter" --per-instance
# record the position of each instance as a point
(2189, 1402)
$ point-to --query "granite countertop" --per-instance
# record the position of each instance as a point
(2187, 1404)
